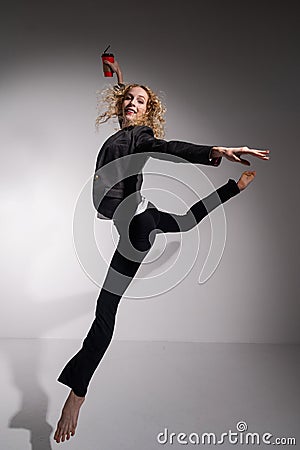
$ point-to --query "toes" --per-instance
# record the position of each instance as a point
(57, 434)
(249, 173)
(66, 433)
(63, 433)
(70, 433)
(57, 438)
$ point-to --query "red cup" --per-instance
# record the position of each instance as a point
(106, 69)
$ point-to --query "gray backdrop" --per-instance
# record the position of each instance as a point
(229, 72)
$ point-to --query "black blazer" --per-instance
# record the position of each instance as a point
(118, 172)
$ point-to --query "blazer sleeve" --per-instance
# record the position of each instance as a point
(159, 148)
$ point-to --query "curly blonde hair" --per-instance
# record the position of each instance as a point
(114, 97)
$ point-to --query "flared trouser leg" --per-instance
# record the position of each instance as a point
(136, 239)
(133, 246)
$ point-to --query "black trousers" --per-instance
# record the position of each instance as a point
(137, 234)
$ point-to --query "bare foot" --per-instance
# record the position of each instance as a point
(245, 179)
(68, 420)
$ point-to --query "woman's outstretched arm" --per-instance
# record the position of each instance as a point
(115, 67)
(193, 153)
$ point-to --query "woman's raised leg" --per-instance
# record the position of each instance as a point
(172, 223)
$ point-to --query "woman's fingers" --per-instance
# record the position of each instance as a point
(257, 155)
(263, 154)
(113, 65)
(110, 64)
(254, 152)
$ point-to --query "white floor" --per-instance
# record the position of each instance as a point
(142, 389)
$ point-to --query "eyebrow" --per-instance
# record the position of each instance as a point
(138, 95)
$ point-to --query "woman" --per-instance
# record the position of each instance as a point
(116, 195)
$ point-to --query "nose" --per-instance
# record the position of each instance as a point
(132, 102)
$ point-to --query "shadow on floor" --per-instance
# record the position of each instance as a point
(25, 358)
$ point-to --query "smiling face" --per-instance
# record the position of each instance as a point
(134, 104)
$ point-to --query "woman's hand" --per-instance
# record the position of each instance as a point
(115, 69)
(235, 154)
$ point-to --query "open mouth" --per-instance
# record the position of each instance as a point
(129, 111)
